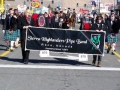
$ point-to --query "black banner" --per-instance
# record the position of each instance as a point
(70, 41)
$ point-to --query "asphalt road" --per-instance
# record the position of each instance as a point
(2, 43)
(57, 73)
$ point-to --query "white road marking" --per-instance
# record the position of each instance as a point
(60, 67)
(66, 57)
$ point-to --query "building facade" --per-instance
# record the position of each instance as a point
(74, 4)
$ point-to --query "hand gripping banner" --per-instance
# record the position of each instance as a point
(65, 40)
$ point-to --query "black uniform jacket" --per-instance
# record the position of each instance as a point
(23, 22)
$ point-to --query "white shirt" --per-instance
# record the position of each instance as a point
(111, 22)
(3, 16)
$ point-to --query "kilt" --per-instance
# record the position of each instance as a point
(109, 39)
(10, 37)
(18, 33)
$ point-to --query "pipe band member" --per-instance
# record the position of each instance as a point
(99, 26)
(24, 23)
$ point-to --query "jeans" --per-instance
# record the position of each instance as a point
(97, 56)
(25, 53)
(50, 25)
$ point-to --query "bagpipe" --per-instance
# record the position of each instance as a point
(39, 20)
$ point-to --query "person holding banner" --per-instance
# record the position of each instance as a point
(99, 26)
(24, 23)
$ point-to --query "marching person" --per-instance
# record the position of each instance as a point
(24, 23)
(46, 19)
(66, 21)
(50, 15)
(71, 21)
(18, 31)
(106, 21)
(3, 16)
(93, 20)
(0, 17)
(112, 37)
(85, 23)
(61, 19)
(56, 20)
(10, 29)
(64, 25)
(99, 26)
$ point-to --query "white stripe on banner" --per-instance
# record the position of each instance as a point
(60, 67)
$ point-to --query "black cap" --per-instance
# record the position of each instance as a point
(15, 9)
(45, 13)
(61, 11)
(99, 17)
(94, 14)
(55, 13)
(112, 11)
(10, 9)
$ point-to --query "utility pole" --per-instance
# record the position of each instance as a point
(99, 6)
(114, 4)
